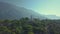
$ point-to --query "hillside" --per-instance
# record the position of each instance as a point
(9, 11)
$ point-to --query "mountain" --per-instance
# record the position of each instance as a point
(9, 11)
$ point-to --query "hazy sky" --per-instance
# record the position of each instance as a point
(46, 7)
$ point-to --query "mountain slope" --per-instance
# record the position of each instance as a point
(9, 11)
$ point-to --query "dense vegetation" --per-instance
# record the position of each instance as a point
(29, 26)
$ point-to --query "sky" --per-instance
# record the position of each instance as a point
(45, 7)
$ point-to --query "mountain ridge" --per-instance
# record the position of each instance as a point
(9, 11)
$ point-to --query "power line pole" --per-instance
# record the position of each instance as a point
(31, 18)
